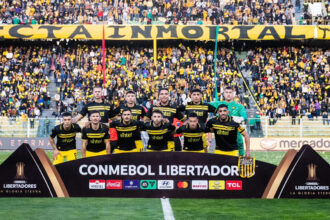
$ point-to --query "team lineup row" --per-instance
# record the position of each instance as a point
(125, 132)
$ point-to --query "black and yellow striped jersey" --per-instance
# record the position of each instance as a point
(193, 138)
(169, 111)
(225, 133)
(105, 109)
(138, 112)
(158, 136)
(66, 139)
(95, 138)
(127, 134)
(201, 111)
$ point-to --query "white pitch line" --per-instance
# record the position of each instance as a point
(167, 209)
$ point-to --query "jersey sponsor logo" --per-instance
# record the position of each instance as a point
(97, 184)
(234, 185)
(131, 184)
(165, 184)
(216, 184)
(114, 184)
(148, 184)
(182, 184)
(199, 185)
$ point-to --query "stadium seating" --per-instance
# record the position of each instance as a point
(149, 12)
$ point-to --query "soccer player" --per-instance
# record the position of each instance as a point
(196, 106)
(105, 109)
(236, 110)
(201, 109)
(194, 135)
(138, 112)
(65, 147)
(225, 131)
(95, 137)
(160, 133)
(129, 136)
(169, 112)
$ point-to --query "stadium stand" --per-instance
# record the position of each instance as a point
(287, 81)
(151, 12)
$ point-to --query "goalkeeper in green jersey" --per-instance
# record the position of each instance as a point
(236, 110)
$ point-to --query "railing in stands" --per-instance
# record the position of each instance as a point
(256, 127)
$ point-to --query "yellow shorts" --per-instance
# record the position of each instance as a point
(204, 141)
(170, 148)
(139, 146)
(68, 155)
(94, 154)
(118, 151)
(194, 151)
(229, 153)
(166, 150)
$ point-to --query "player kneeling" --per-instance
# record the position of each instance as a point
(194, 135)
(160, 133)
(95, 137)
(65, 147)
(128, 131)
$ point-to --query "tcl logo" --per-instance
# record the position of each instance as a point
(114, 184)
(234, 185)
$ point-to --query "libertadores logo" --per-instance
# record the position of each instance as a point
(20, 171)
(312, 183)
(114, 184)
(311, 172)
(20, 181)
(96, 184)
(234, 185)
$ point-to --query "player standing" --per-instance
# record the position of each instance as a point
(236, 110)
(99, 105)
(169, 113)
(202, 110)
(196, 106)
(65, 147)
(138, 112)
(95, 137)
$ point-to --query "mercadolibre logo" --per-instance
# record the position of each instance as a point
(314, 143)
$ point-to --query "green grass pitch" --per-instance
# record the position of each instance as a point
(118, 208)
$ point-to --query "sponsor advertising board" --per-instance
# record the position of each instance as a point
(28, 173)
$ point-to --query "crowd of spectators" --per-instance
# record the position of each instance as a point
(24, 72)
(286, 80)
(290, 81)
(76, 67)
(180, 67)
(245, 12)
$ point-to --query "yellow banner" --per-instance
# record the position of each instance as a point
(149, 32)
